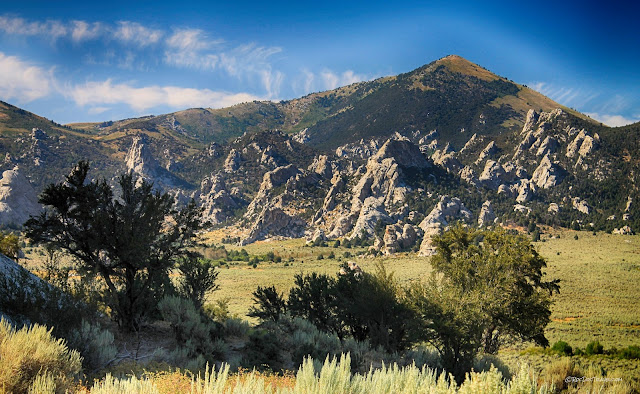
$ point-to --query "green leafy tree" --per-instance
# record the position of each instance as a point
(10, 245)
(131, 241)
(269, 304)
(487, 289)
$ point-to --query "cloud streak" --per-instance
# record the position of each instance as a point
(570, 97)
(143, 98)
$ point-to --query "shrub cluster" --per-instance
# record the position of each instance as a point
(31, 358)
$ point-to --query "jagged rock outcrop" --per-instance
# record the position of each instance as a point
(583, 144)
(399, 237)
(330, 200)
(486, 217)
(141, 162)
(18, 199)
(273, 221)
(139, 159)
(216, 201)
(446, 209)
(232, 162)
(359, 150)
(372, 211)
(553, 208)
(471, 143)
(270, 180)
(302, 136)
(548, 174)
(493, 175)
(549, 146)
(468, 175)
(405, 153)
(382, 178)
(322, 166)
(214, 150)
(524, 190)
(530, 121)
(489, 151)
(316, 237)
(446, 159)
(270, 158)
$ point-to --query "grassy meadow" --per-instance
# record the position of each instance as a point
(599, 290)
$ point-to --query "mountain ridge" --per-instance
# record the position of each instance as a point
(339, 162)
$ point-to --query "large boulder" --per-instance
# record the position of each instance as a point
(18, 199)
(399, 237)
(580, 205)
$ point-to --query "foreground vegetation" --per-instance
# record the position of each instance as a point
(485, 297)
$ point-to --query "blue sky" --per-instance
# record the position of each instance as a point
(74, 61)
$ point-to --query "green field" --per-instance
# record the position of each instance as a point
(599, 296)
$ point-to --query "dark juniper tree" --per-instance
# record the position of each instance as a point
(131, 241)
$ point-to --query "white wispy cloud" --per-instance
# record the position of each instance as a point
(22, 80)
(133, 32)
(142, 98)
(19, 26)
(186, 48)
(612, 120)
(82, 31)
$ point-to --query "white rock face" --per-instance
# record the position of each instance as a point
(18, 199)
(547, 174)
(372, 211)
(232, 162)
(139, 159)
(487, 217)
(493, 175)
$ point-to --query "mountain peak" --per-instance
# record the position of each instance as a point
(461, 65)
